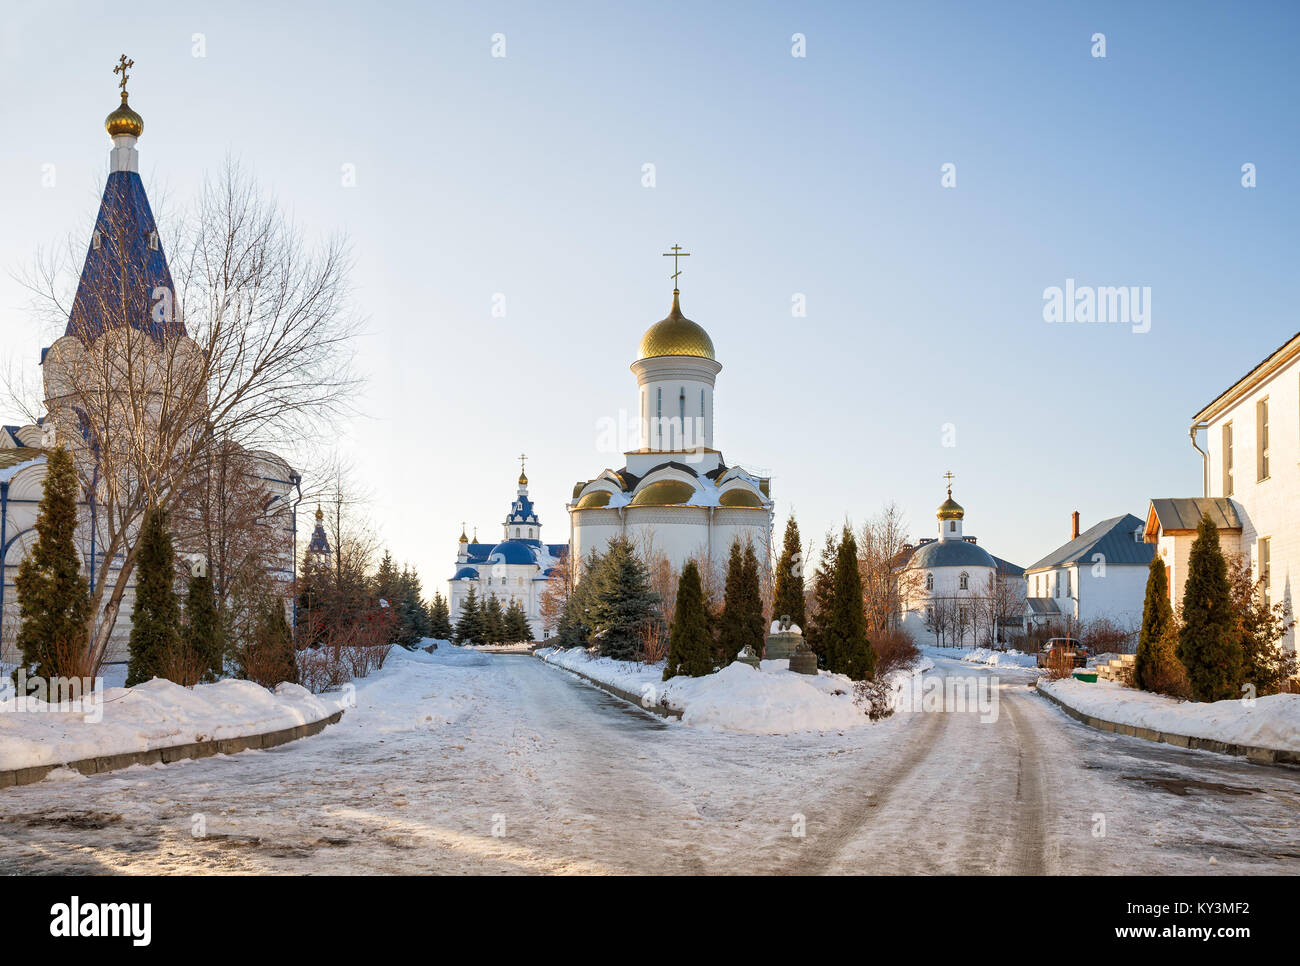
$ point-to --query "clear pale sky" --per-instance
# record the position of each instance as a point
(819, 175)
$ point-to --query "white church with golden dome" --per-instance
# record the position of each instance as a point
(675, 495)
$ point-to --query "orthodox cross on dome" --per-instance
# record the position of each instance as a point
(675, 254)
(121, 68)
(523, 477)
(949, 477)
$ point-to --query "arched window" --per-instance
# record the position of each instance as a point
(965, 581)
(530, 533)
(929, 581)
(516, 531)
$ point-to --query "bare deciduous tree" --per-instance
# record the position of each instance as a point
(154, 386)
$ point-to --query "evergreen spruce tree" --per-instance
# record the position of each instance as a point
(1157, 614)
(53, 596)
(387, 587)
(469, 622)
(823, 587)
(494, 625)
(314, 582)
(848, 651)
(516, 624)
(621, 602)
(788, 594)
(732, 629)
(412, 617)
(690, 645)
(1208, 644)
(574, 628)
(202, 631)
(155, 619)
(440, 618)
(386, 578)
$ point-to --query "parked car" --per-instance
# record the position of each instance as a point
(1071, 650)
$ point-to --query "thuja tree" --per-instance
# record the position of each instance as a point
(269, 658)
(155, 620)
(788, 595)
(53, 596)
(1208, 644)
(202, 633)
(752, 616)
(848, 651)
(1157, 613)
(822, 591)
(1265, 663)
(690, 643)
(731, 624)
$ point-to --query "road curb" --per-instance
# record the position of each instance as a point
(628, 696)
(1263, 756)
(169, 753)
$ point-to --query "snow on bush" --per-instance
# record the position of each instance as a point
(1271, 722)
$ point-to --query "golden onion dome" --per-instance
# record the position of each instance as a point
(523, 480)
(676, 336)
(740, 498)
(593, 500)
(124, 121)
(664, 493)
(950, 509)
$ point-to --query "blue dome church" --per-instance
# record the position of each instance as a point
(516, 568)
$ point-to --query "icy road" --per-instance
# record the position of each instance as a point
(474, 763)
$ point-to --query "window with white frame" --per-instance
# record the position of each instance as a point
(1227, 458)
(1261, 440)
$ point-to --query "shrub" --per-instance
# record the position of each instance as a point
(895, 650)
(1105, 636)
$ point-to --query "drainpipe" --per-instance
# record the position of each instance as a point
(1205, 457)
(296, 479)
(4, 537)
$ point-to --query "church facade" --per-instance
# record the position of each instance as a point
(514, 569)
(116, 305)
(954, 591)
(675, 495)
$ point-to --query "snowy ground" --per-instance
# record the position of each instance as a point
(445, 749)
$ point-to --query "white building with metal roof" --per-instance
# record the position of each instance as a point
(1250, 480)
(1100, 573)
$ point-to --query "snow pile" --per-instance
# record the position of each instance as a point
(991, 658)
(155, 714)
(738, 698)
(1272, 722)
(773, 701)
(399, 699)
